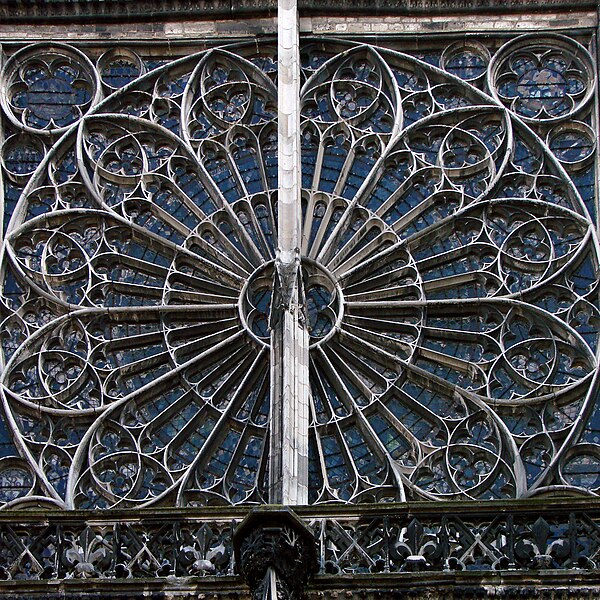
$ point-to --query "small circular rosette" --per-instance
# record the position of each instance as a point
(542, 78)
(48, 87)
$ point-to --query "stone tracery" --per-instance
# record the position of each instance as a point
(450, 270)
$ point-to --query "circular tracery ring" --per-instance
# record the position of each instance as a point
(449, 276)
(542, 77)
(323, 302)
(47, 88)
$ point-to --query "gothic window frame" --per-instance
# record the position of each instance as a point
(158, 222)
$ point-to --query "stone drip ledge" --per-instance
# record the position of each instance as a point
(106, 10)
(189, 29)
(336, 590)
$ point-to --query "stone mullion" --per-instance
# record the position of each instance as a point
(288, 473)
(596, 119)
(3, 135)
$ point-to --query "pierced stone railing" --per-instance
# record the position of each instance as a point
(382, 540)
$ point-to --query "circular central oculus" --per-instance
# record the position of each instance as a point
(320, 300)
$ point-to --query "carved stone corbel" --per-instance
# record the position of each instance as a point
(275, 553)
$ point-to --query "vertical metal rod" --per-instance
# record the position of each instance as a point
(288, 469)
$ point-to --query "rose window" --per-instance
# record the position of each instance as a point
(448, 276)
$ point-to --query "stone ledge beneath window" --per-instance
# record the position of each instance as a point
(547, 585)
(123, 10)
